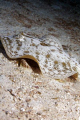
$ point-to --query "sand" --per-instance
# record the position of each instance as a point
(25, 95)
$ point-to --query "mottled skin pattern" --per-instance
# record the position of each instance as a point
(45, 55)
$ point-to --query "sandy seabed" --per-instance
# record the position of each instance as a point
(25, 95)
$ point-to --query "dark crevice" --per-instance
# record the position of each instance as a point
(2, 50)
(34, 65)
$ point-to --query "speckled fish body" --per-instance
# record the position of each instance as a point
(47, 52)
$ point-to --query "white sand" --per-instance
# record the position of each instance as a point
(28, 96)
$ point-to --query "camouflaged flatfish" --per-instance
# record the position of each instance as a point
(46, 52)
